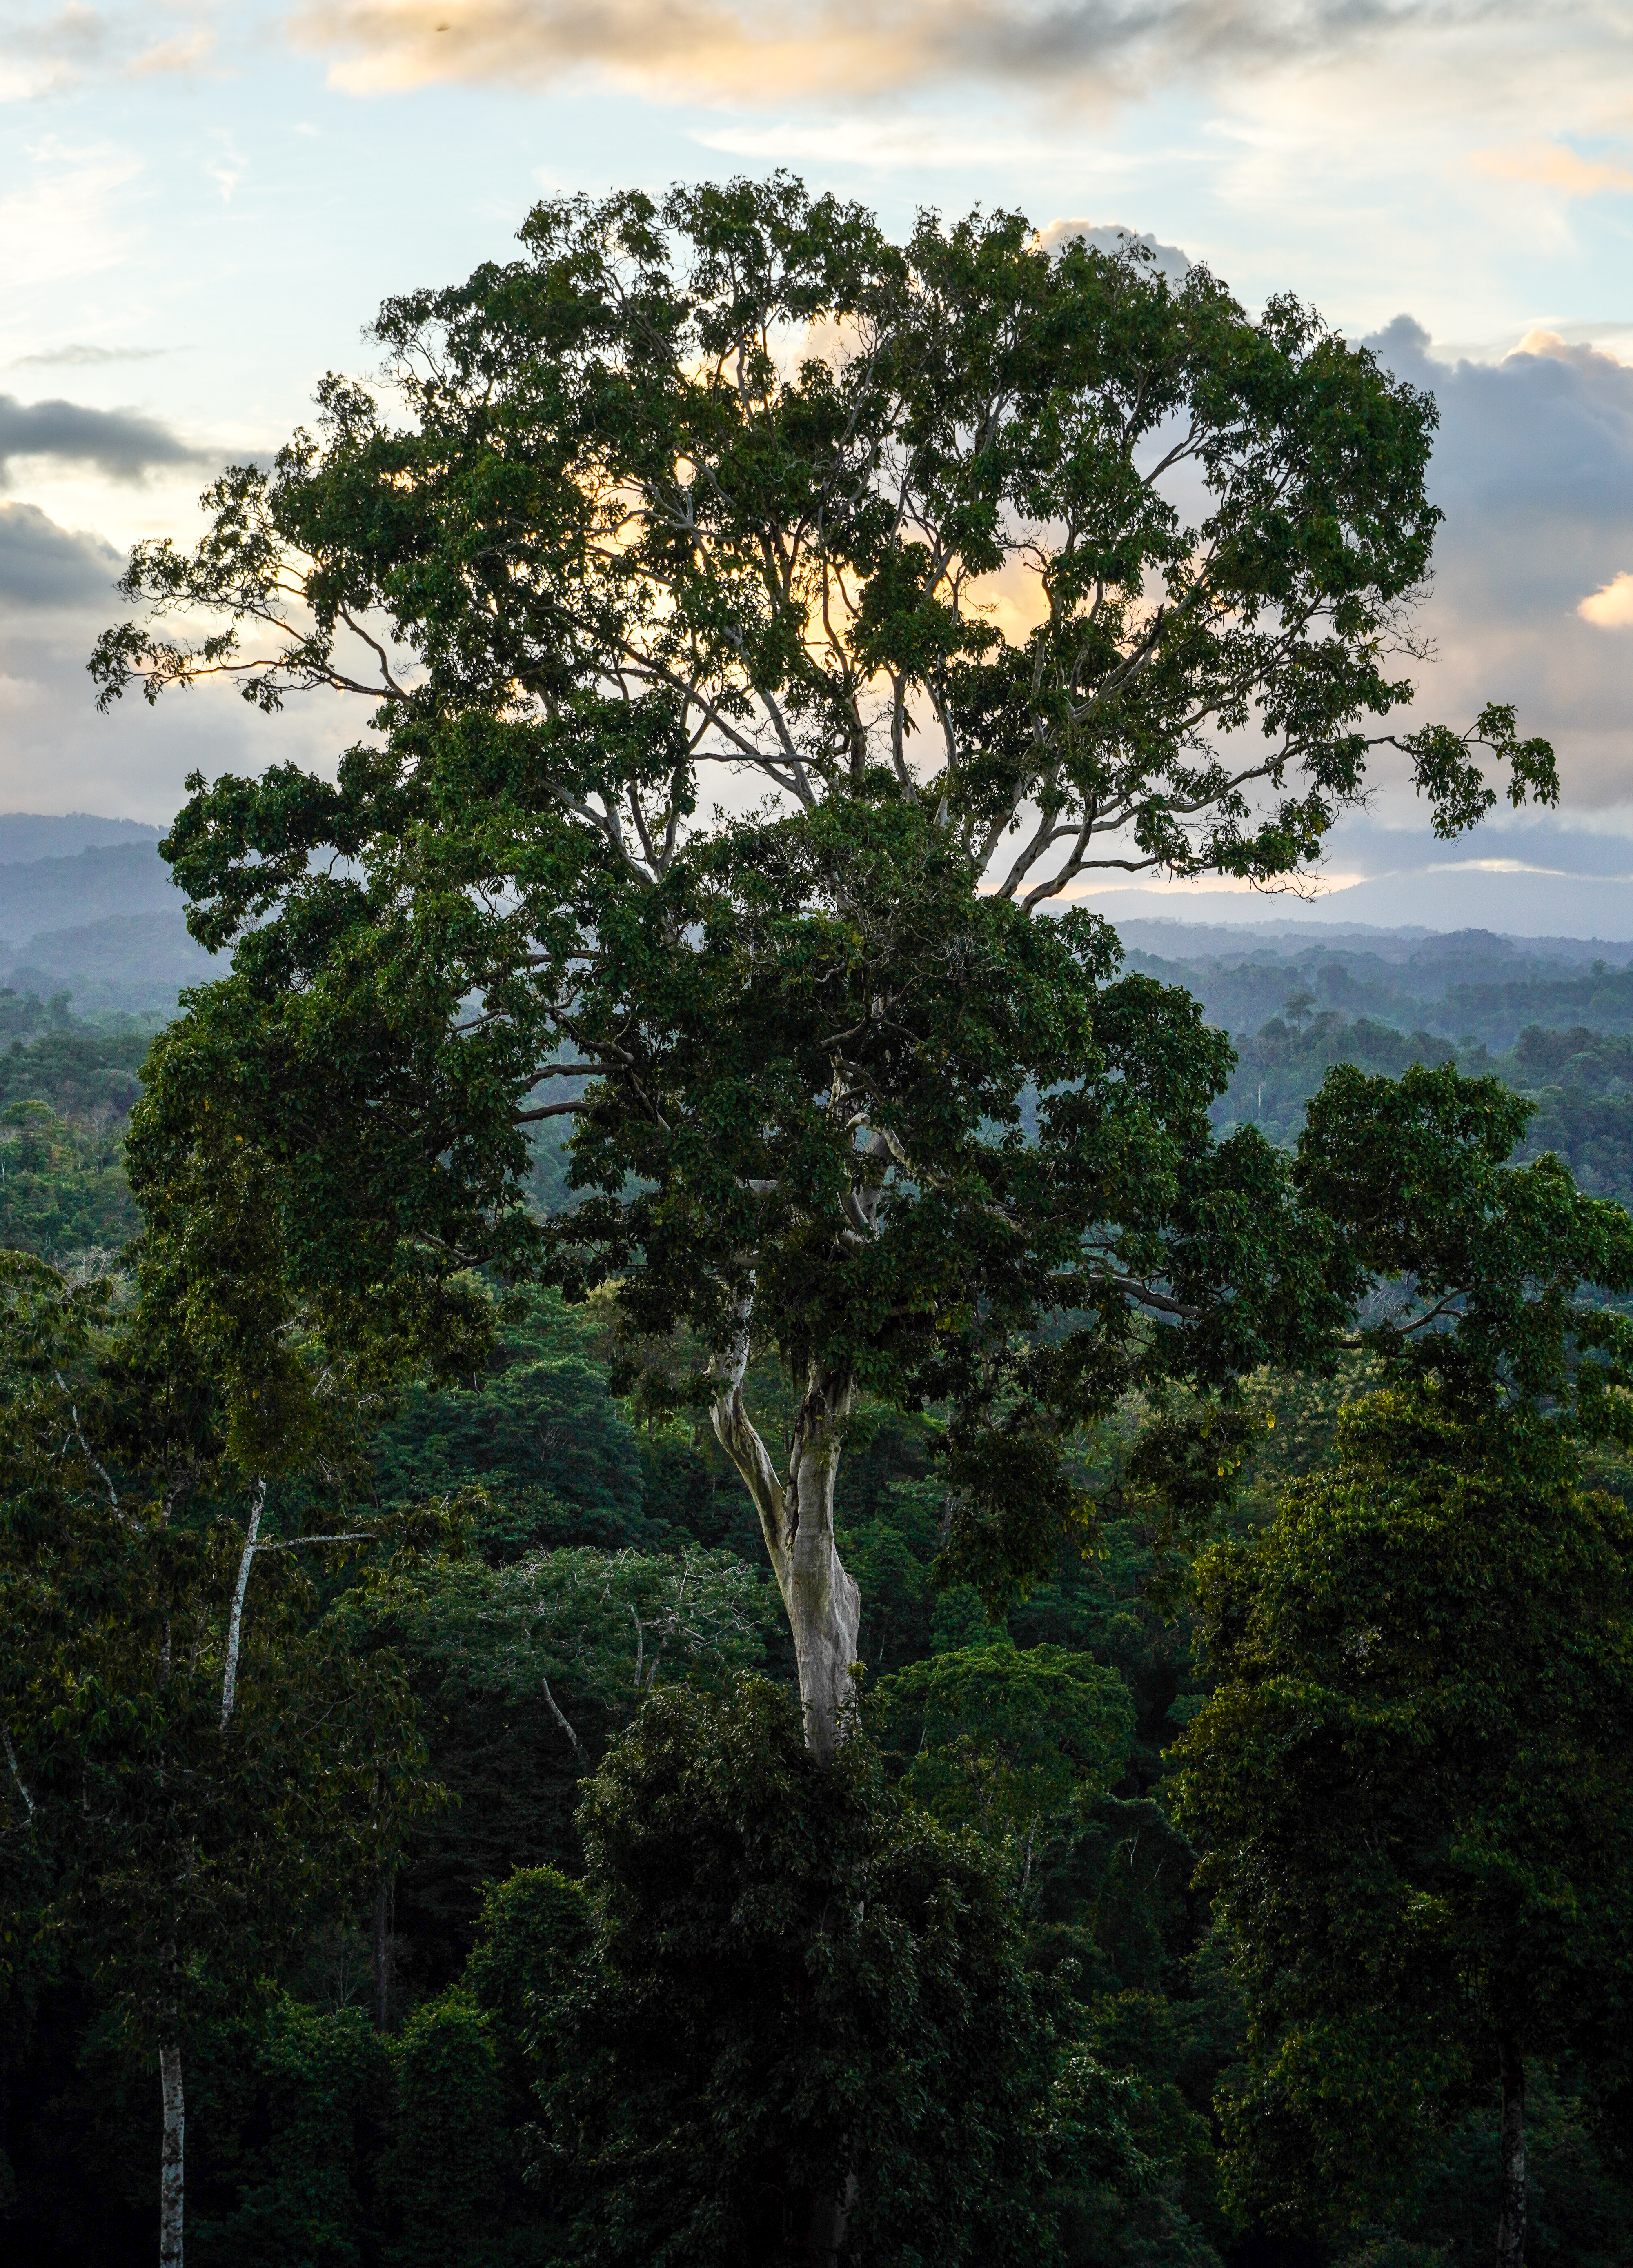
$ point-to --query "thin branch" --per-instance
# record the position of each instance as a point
(91, 1457)
(550, 1110)
(550, 1702)
(299, 1543)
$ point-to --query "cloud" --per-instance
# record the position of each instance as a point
(47, 53)
(1552, 166)
(44, 565)
(56, 593)
(84, 358)
(121, 443)
(1610, 607)
(72, 218)
(229, 165)
(40, 56)
(174, 58)
(1168, 260)
(1533, 470)
(761, 50)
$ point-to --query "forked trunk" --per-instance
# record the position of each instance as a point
(172, 2153)
(1511, 2228)
(823, 1604)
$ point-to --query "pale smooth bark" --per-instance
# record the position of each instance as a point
(235, 1621)
(17, 1777)
(1511, 2228)
(823, 1603)
(172, 2155)
(830, 2217)
(579, 1758)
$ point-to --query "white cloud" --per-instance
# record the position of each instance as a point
(1611, 607)
(1168, 259)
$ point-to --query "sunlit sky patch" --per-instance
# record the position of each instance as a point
(200, 205)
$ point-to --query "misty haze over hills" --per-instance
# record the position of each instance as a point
(87, 906)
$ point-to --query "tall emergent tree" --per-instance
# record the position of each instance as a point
(764, 623)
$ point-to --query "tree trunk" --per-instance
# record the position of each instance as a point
(173, 2154)
(825, 2234)
(1511, 2228)
(235, 1620)
(823, 1604)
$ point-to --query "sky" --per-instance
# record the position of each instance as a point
(200, 205)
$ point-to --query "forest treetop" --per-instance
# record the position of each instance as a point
(1109, 573)
(741, 488)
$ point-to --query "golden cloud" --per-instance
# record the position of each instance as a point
(1610, 607)
(1552, 166)
(764, 51)
(708, 47)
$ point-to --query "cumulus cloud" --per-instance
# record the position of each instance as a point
(1610, 607)
(1168, 259)
(121, 443)
(44, 565)
(1533, 470)
(761, 50)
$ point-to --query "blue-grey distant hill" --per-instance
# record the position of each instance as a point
(87, 906)
(25, 836)
(1552, 1017)
(111, 878)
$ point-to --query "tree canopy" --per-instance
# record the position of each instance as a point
(1414, 1776)
(762, 622)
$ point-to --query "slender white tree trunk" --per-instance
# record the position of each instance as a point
(173, 2156)
(823, 1604)
(235, 1620)
(1511, 2228)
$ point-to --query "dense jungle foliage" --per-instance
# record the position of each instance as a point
(932, 1642)
(395, 2082)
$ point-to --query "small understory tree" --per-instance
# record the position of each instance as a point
(1412, 1772)
(965, 574)
(192, 1763)
(808, 2035)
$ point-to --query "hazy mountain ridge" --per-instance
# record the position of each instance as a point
(1553, 1017)
(88, 906)
(27, 835)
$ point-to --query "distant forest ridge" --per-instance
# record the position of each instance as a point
(87, 906)
(87, 909)
(1552, 1017)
